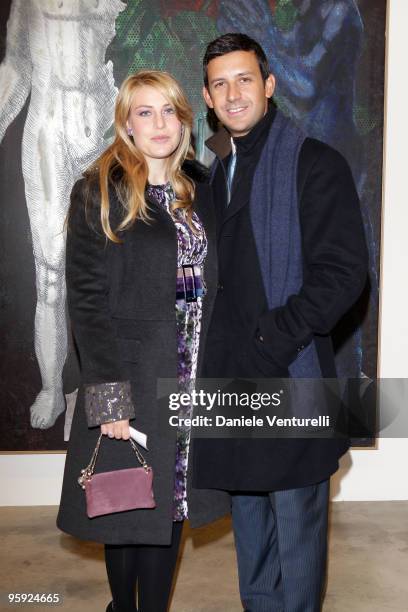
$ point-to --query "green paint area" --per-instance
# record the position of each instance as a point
(285, 15)
(365, 123)
(145, 39)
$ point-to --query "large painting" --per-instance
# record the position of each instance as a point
(60, 65)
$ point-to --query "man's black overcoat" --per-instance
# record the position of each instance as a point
(335, 271)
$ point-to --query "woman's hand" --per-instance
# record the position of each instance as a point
(117, 429)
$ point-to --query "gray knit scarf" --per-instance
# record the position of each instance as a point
(274, 211)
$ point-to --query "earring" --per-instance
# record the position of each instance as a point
(130, 131)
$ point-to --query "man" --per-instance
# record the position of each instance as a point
(292, 261)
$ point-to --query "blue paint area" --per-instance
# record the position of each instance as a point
(314, 64)
(314, 59)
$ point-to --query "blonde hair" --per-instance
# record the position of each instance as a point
(123, 153)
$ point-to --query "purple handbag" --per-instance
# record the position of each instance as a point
(119, 490)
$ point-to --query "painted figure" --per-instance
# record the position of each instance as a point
(55, 54)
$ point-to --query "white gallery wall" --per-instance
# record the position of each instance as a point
(35, 479)
(377, 474)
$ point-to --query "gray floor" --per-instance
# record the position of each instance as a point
(368, 566)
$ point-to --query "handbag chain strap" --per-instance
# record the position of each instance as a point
(87, 472)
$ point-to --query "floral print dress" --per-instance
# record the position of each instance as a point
(192, 250)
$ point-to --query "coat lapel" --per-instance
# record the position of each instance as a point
(156, 208)
(220, 145)
(235, 205)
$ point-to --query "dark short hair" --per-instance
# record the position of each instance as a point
(234, 41)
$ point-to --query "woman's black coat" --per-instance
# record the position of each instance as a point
(121, 300)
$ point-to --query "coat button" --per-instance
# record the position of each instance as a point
(220, 287)
(300, 348)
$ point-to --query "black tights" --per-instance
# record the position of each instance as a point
(152, 567)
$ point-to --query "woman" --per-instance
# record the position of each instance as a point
(140, 225)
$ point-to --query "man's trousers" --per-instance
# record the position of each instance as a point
(281, 543)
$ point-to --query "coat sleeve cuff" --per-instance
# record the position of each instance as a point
(108, 402)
